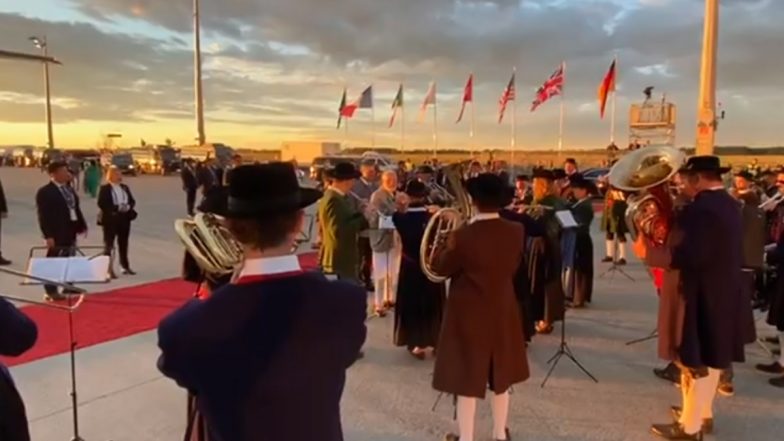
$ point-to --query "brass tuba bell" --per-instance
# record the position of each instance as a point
(210, 243)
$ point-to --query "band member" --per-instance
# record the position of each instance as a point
(363, 189)
(614, 224)
(275, 324)
(523, 194)
(341, 223)
(420, 302)
(190, 185)
(544, 256)
(384, 243)
(117, 211)
(582, 210)
(776, 311)
(709, 258)
(3, 215)
(474, 170)
(59, 217)
(481, 307)
(17, 334)
(425, 174)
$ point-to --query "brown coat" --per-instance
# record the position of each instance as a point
(480, 341)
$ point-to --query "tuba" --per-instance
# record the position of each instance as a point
(443, 222)
(210, 243)
(647, 173)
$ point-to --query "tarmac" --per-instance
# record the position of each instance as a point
(123, 397)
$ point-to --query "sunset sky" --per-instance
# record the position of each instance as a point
(275, 69)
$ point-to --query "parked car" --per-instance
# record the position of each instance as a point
(598, 177)
(125, 163)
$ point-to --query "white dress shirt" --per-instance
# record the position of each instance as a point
(266, 266)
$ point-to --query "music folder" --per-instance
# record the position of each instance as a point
(566, 219)
(68, 269)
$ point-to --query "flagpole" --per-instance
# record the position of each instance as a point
(514, 123)
(402, 119)
(614, 93)
(435, 123)
(563, 110)
(473, 114)
(372, 120)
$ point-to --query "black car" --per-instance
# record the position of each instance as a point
(124, 162)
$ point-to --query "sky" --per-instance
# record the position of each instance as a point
(274, 70)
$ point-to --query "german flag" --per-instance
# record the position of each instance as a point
(605, 88)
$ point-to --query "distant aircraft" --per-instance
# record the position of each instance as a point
(26, 57)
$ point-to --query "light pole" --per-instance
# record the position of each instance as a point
(40, 43)
(706, 107)
(201, 137)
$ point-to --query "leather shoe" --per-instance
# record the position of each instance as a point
(771, 340)
(670, 373)
(607, 259)
(451, 437)
(707, 423)
(777, 382)
(4, 261)
(773, 368)
(674, 431)
(55, 297)
(128, 272)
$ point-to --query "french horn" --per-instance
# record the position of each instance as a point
(210, 243)
(443, 223)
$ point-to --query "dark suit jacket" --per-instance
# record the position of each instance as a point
(3, 203)
(17, 334)
(267, 360)
(710, 258)
(188, 176)
(109, 211)
(54, 216)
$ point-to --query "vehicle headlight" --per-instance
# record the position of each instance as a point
(131, 166)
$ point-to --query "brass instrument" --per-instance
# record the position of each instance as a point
(444, 221)
(210, 243)
(771, 203)
(647, 173)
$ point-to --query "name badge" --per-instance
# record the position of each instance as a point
(74, 217)
(385, 223)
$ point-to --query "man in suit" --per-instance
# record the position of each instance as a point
(189, 185)
(710, 260)
(59, 217)
(341, 222)
(3, 215)
(17, 334)
(383, 242)
(266, 356)
(364, 187)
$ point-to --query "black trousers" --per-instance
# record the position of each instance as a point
(117, 230)
(62, 248)
(365, 261)
(190, 200)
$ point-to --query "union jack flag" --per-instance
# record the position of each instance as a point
(508, 95)
(552, 87)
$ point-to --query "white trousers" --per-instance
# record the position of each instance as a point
(386, 268)
(466, 411)
(698, 396)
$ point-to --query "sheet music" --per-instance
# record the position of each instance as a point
(50, 268)
(566, 219)
(385, 223)
(68, 269)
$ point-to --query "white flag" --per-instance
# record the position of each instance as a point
(430, 98)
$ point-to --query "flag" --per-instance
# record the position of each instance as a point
(397, 104)
(552, 87)
(365, 100)
(342, 110)
(605, 88)
(468, 96)
(508, 95)
(430, 98)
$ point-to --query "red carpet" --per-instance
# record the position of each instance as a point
(111, 315)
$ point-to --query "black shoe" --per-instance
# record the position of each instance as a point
(451, 437)
(776, 352)
(773, 368)
(621, 262)
(669, 373)
(707, 423)
(607, 259)
(128, 272)
(674, 431)
(771, 340)
(726, 389)
(54, 297)
(4, 261)
(777, 382)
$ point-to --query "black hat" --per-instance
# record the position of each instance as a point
(581, 182)
(416, 189)
(543, 173)
(523, 178)
(489, 190)
(705, 164)
(266, 189)
(343, 171)
(559, 173)
(425, 169)
(745, 175)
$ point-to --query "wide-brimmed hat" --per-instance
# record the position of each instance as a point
(416, 189)
(707, 163)
(267, 189)
(343, 171)
(543, 173)
(425, 169)
(559, 173)
(489, 190)
(745, 175)
(581, 182)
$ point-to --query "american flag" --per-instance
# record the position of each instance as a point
(508, 95)
(552, 87)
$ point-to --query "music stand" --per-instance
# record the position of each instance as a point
(569, 238)
(615, 268)
(305, 234)
(69, 270)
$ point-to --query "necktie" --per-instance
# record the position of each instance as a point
(69, 197)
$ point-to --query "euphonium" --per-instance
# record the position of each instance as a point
(444, 222)
(647, 173)
(210, 243)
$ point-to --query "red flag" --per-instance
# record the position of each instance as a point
(607, 86)
(552, 87)
(509, 95)
(468, 96)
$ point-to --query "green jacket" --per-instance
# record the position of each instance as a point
(340, 227)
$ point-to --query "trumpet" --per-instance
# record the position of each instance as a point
(771, 203)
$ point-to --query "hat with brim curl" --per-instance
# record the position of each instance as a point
(343, 171)
(707, 163)
(489, 190)
(267, 189)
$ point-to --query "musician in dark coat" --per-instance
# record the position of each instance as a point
(481, 346)
(267, 355)
(776, 311)
(710, 261)
(17, 334)
(420, 302)
(582, 211)
(60, 217)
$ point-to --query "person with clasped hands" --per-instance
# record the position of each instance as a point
(117, 206)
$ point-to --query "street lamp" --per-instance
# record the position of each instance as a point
(706, 106)
(40, 43)
(197, 74)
